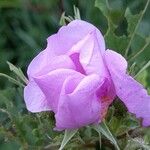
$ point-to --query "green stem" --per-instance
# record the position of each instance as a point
(117, 147)
(139, 52)
(103, 128)
(143, 68)
(143, 12)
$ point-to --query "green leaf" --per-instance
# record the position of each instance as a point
(102, 128)
(133, 24)
(18, 72)
(76, 13)
(143, 68)
(117, 43)
(137, 143)
(68, 135)
(142, 78)
(138, 46)
(132, 20)
(62, 21)
(113, 14)
(65, 18)
(11, 79)
(104, 7)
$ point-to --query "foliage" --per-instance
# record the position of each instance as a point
(25, 24)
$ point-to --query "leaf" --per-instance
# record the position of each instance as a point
(76, 13)
(137, 143)
(133, 24)
(122, 125)
(113, 15)
(117, 43)
(18, 72)
(139, 45)
(62, 21)
(142, 78)
(65, 18)
(11, 79)
(103, 6)
(132, 21)
(68, 135)
(102, 128)
(143, 68)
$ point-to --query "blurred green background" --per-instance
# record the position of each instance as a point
(24, 27)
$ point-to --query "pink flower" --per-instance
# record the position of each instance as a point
(77, 79)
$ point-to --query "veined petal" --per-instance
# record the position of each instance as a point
(35, 99)
(131, 92)
(82, 106)
(90, 57)
(107, 94)
(44, 63)
(67, 36)
(51, 84)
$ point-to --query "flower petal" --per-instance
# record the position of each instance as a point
(44, 63)
(35, 99)
(90, 56)
(82, 106)
(131, 92)
(51, 84)
(69, 35)
(60, 44)
(107, 94)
